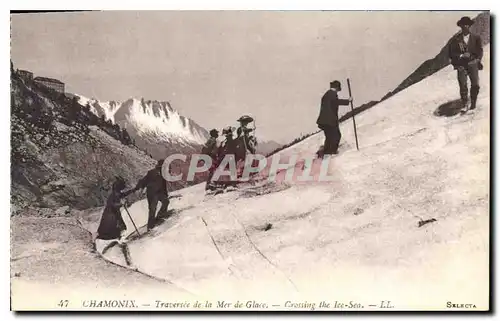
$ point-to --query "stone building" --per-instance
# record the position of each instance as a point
(50, 83)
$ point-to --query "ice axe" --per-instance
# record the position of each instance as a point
(130, 216)
(352, 109)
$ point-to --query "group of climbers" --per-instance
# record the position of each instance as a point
(239, 145)
(112, 224)
(465, 54)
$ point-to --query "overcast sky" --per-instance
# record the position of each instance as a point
(215, 66)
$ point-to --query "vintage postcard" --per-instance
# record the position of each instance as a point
(250, 161)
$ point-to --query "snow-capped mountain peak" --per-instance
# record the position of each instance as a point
(149, 118)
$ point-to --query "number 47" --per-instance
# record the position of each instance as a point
(63, 303)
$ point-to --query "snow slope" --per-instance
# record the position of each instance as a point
(356, 238)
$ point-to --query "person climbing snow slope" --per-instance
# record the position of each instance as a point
(156, 191)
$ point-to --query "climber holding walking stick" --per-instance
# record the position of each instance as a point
(328, 119)
(112, 225)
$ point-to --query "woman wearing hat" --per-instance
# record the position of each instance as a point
(112, 224)
(466, 52)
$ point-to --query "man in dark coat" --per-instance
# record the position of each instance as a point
(112, 224)
(156, 191)
(328, 119)
(466, 52)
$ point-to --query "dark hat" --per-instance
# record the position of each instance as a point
(465, 21)
(119, 184)
(214, 132)
(245, 119)
(335, 84)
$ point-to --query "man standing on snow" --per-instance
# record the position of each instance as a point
(328, 119)
(466, 52)
(156, 191)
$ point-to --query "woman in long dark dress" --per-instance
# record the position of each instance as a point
(112, 224)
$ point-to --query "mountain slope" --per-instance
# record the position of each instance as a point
(62, 155)
(155, 126)
(355, 238)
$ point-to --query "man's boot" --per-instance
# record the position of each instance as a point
(465, 101)
(474, 91)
